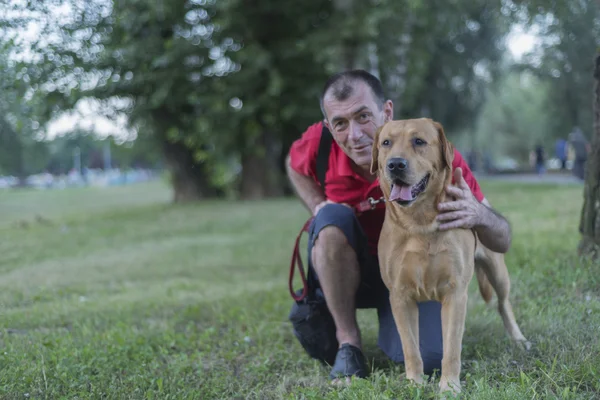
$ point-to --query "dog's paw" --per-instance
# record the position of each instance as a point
(415, 379)
(525, 344)
(450, 390)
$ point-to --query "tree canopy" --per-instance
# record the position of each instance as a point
(221, 88)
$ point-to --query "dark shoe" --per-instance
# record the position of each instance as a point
(349, 361)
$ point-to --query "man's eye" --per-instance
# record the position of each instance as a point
(419, 142)
(364, 116)
(386, 142)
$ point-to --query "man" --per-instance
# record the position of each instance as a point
(540, 160)
(581, 149)
(343, 245)
(560, 149)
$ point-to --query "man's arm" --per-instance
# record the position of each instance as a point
(466, 212)
(494, 231)
(306, 188)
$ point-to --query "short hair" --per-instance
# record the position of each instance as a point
(342, 86)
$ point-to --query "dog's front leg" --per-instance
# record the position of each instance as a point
(406, 315)
(454, 311)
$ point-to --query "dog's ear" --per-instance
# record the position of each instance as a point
(445, 146)
(375, 151)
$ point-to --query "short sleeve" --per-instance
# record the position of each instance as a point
(459, 162)
(303, 151)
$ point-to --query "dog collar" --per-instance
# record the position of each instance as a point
(370, 204)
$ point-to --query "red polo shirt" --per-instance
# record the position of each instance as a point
(343, 185)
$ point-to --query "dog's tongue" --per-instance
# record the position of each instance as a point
(401, 192)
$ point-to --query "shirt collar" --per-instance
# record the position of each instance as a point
(344, 167)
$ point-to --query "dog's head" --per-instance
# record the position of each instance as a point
(412, 158)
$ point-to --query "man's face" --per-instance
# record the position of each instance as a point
(354, 121)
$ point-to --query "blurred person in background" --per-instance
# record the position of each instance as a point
(581, 149)
(560, 149)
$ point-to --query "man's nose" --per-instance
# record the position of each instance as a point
(355, 132)
(397, 164)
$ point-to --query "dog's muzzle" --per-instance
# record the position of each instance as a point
(397, 166)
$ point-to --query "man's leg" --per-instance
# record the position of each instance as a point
(336, 248)
(430, 324)
(430, 335)
(336, 265)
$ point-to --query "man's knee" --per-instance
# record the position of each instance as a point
(337, 209)
(333, 230)
(331, 237)
(330, 241)
(338, 215)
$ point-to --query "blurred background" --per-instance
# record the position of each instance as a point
(210, 94)
(116, 115)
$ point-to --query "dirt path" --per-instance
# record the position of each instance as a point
(559, 179)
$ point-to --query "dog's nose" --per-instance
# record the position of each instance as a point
(397, 164)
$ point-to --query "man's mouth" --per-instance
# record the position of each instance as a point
(405, 194)
(362, 147)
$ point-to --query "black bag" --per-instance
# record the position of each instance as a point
(314, 328)
(311, 320)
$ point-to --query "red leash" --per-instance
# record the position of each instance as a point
(296, 257)
(365, 205)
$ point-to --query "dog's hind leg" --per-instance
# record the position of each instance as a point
(497, 273)
(485, 288)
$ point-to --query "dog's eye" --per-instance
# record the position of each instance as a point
(386, 142)
(419, 142)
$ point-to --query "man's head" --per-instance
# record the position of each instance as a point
(354, 107)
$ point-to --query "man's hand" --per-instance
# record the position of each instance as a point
(323, 204)
(464, 211)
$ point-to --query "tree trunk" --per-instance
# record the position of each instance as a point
(12, 150)
(589, 225)
(261, 173)
(286, 186)
(254, 183)
(189, 179)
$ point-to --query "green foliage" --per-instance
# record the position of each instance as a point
(511, 122)
(20, 152)
(570, 38)
(442, 58)
(222, 88)
(235, 82)
(124, 155)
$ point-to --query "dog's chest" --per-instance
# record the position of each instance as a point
(426, 269)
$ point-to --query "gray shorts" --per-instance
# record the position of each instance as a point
(372, 292)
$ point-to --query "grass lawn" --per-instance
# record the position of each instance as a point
(117, 294)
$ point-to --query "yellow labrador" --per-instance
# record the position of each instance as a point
(413, 161)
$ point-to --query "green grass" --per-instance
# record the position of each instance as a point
(116, 294)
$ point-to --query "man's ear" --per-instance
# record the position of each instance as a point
(446, 147)
(388, 109)
(375, 151)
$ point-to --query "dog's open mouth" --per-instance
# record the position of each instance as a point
(404, 194)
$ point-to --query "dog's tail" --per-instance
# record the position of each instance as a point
(485, 287)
